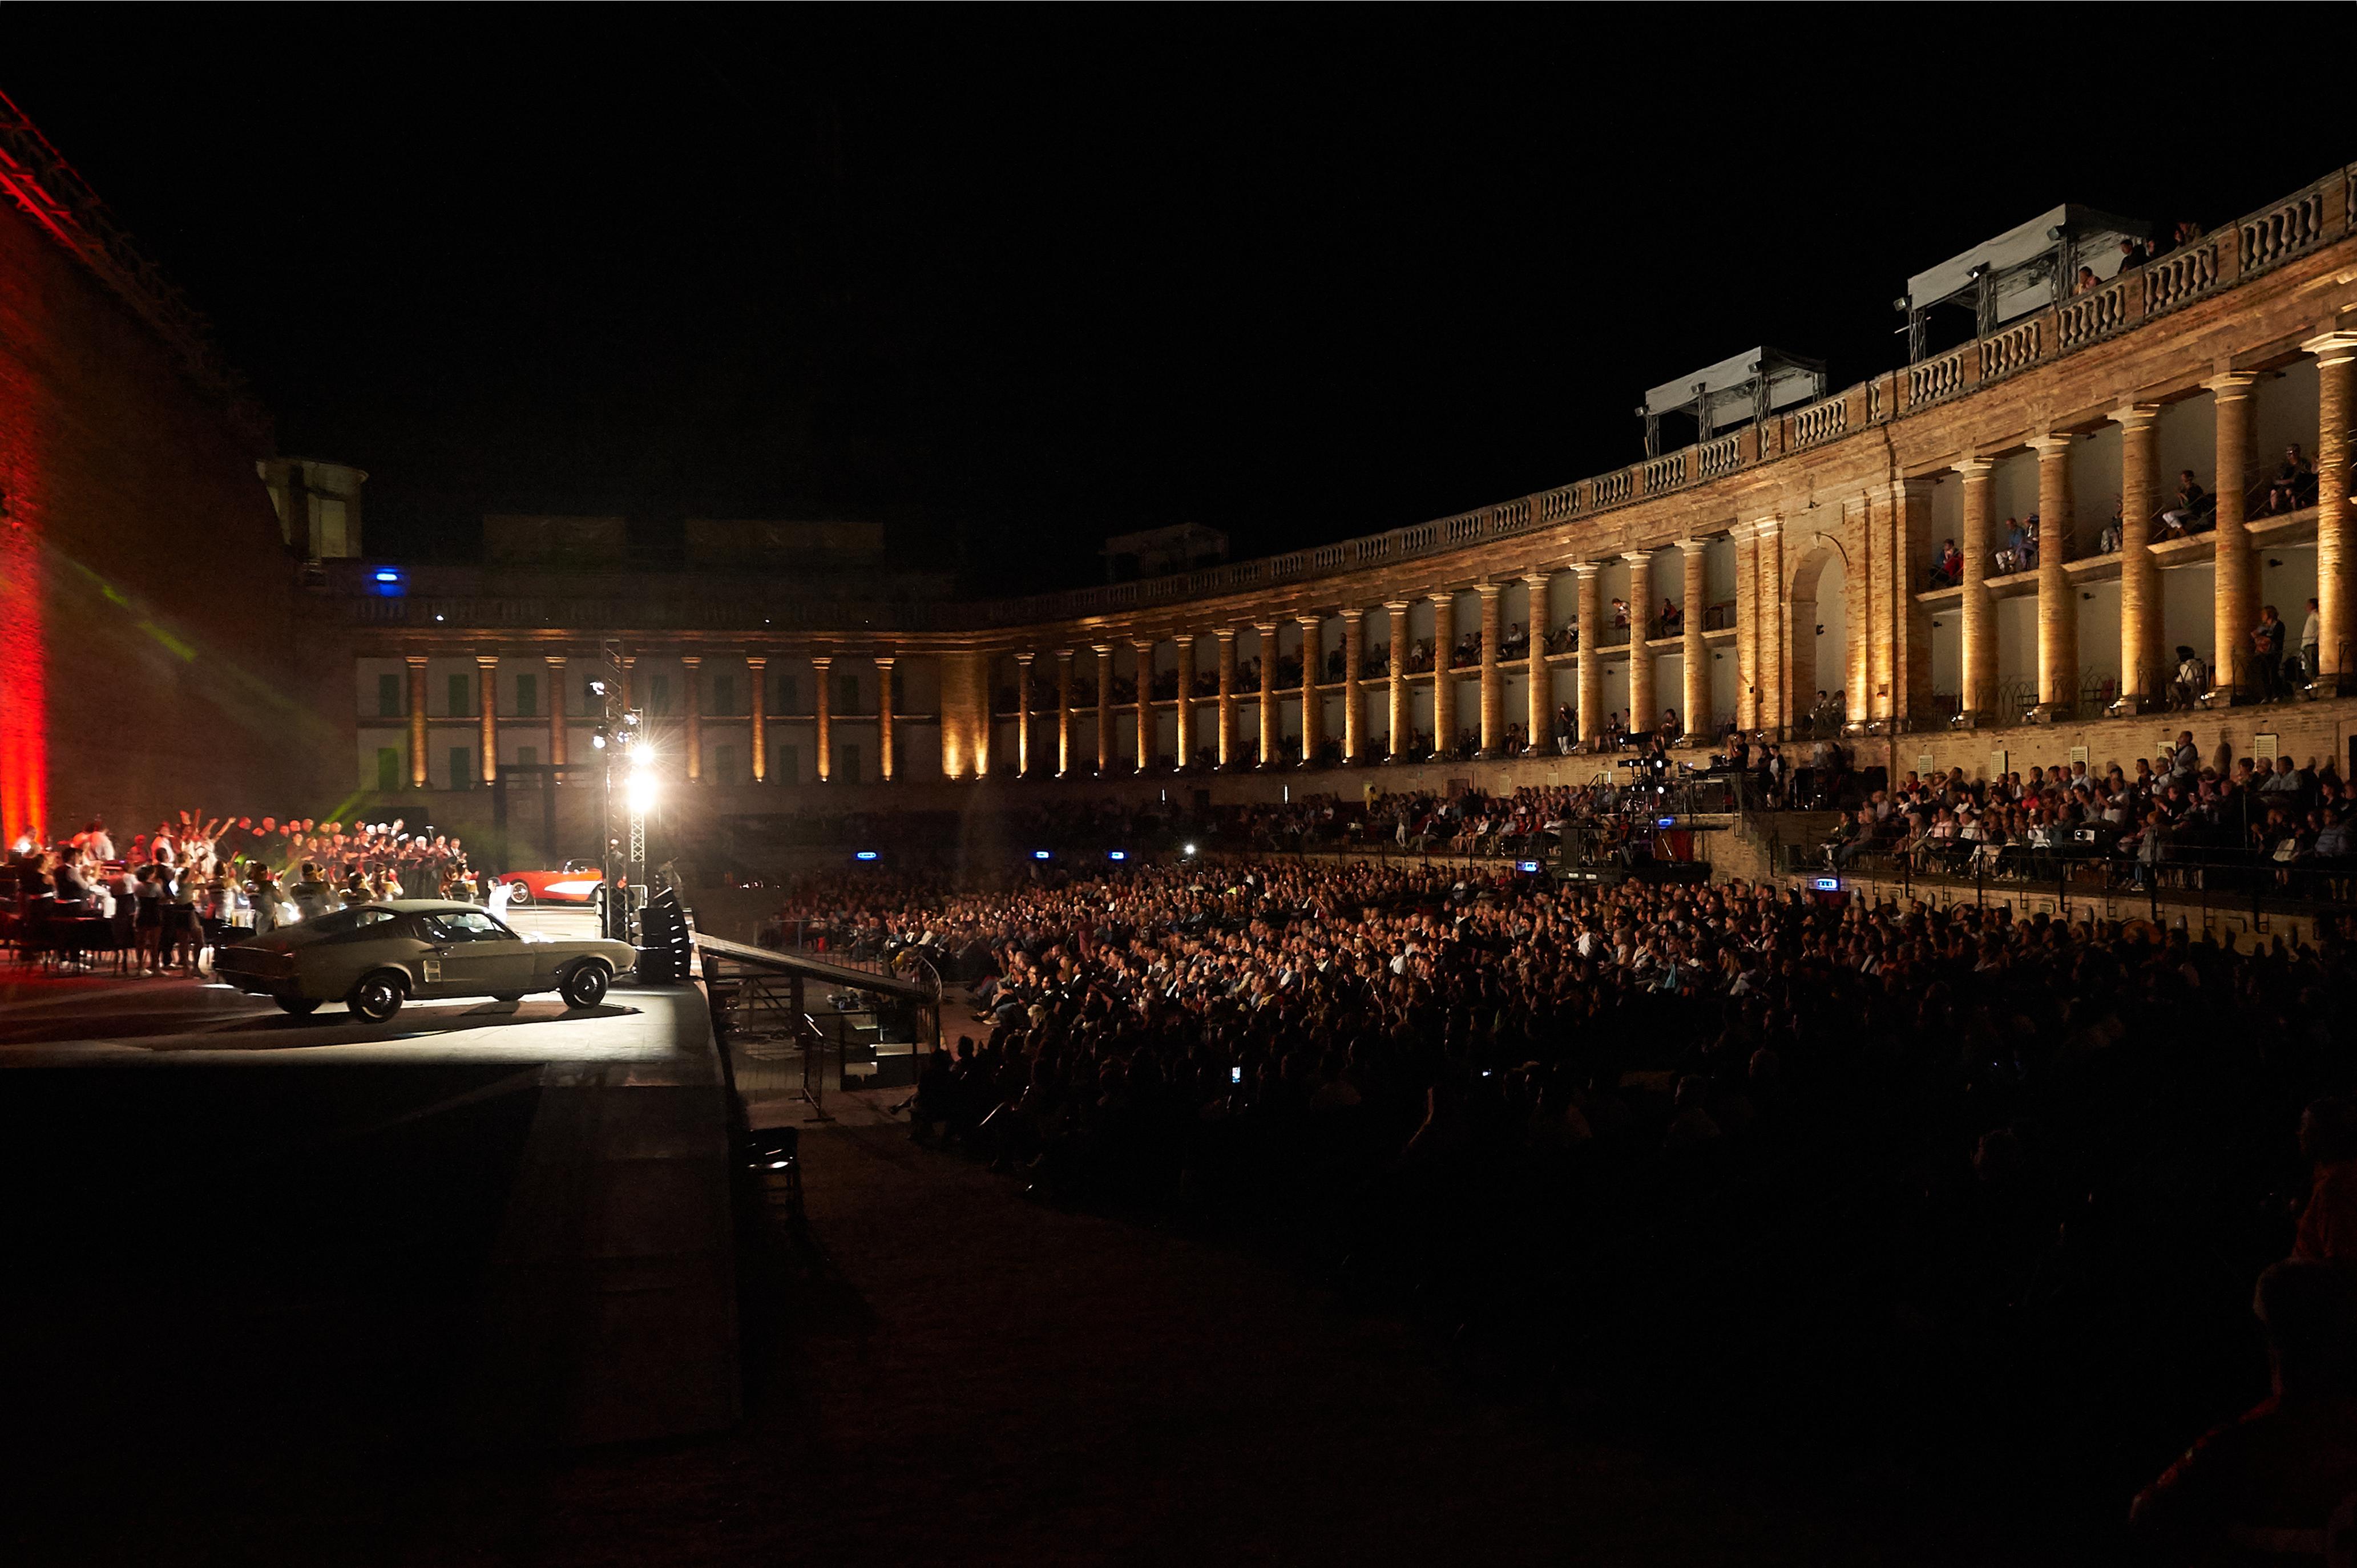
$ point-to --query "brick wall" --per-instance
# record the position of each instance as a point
(147, 607)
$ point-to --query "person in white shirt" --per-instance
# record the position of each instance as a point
(2311, 634)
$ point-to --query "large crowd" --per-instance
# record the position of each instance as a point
(167, 899)
(1485, 1058)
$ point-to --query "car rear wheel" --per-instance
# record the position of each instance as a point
(519, 894)
(586, 986)
(301, 1006)
(378, 997)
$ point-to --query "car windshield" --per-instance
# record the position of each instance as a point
(467, 926)
(342, 920)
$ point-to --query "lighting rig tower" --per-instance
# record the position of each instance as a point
(622, 730)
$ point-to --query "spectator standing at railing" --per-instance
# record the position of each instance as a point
(2312, 637)
(2267, 650)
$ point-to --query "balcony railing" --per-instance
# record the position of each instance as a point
(2315, 215)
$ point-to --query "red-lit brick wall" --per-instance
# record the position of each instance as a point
(148, 655)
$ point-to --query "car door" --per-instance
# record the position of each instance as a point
(474, 955)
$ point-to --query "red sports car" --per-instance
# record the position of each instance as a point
(576, 884)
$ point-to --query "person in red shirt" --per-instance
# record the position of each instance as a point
(2327, 1226)
(2279, 1483)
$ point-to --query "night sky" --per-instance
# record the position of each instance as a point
(1024, 279)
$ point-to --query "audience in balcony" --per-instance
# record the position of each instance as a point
(1567, 729)
(1248, 674)
(1334, 666)
(1948, 565)
(1619, 615)
(1419, 655)
(1673, 619)
(1468, 651)
(2088, 282)
(2013, 555)
(2193, 505)
(1516, 643)
(2267, 651)
(2293, 486)
(1563, 638)
(2193, 678)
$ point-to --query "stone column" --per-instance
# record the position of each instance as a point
(1493, 679)
(2334, 353)
(555, 662)
(1186, 701)
(2234, 608)
(758, 669)
(1444, 677)
(1023, 715)
(1644, 711)
(1313, 710)
(1395, 745)
(2057, 602)
(1868, 618)
(2142, 675)
(1910, 642)
(1979, 694)
(1693, 652)
(1775, 642)
(1355, 649)
(1873, 698)
(692, 664)
(1063, 712)
(822, 666)
(1746, 629)
(1539, 696)
(418, 756)
(1227, 708)
(884, 716)
(1105, 707)
(487, 674)
(1267, 629)
(1590, 589)
(1144, 646)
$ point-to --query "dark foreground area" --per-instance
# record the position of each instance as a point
(232, 1341)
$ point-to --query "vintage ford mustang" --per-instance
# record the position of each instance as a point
(373, 957)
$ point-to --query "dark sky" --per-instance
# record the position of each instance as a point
(1044, 276)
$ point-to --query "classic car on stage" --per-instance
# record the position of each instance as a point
(373, 957)
(576, 884)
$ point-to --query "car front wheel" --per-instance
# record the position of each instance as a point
(377, 998)
(519, 894)
(586, 986)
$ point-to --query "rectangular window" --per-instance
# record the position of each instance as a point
(459, 706)
(846, 693)
(789, 695)
(847, 763)
(723, 764)
(724, 694)
(388, 696)
(462, 763)
(528, 696)
(658, 693)
(788, 768)
(388, 769)
(527, 757)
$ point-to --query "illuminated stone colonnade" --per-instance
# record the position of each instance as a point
(2209, 359)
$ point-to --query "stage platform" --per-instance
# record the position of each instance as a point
(483, 1223)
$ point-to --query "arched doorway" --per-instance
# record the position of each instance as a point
(1821, 656)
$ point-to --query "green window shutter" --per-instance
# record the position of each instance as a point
(388, 696)
(528, 696)
(388, 767)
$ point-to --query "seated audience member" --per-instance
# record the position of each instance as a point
(2293, 485)
(2265, 1485)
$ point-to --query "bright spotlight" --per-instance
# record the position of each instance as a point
(1190, 849)
(1038, 854)
(1117, 854)
(644, 787)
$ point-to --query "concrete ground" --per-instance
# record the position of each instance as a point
(238, 1346)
